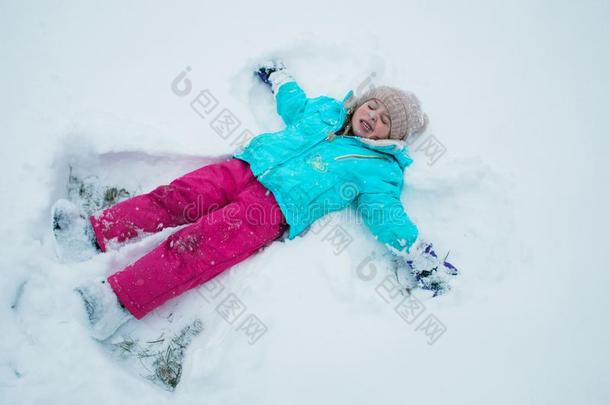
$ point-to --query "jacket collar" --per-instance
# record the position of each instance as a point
(346, 99)
(396, 148)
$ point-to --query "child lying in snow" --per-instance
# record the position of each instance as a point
(330, 154)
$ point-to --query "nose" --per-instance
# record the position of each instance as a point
(372, 115)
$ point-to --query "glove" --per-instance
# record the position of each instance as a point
(425, 251)
(426, 270)
(273, 73)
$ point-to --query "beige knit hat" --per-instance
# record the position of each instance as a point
(404, 108)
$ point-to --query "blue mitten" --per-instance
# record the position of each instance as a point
(426, 251)
(426, 269)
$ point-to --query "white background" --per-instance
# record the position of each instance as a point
(517, 93)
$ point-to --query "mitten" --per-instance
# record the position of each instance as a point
(273, 73)
(425, 268)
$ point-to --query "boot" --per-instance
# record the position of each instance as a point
(106, 313)
(74, 236)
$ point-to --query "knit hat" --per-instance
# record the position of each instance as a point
(407, 118)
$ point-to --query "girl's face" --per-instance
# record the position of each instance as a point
(372, 120)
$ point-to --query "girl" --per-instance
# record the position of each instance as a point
(330, 155)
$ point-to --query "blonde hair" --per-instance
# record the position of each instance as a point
(347, 124)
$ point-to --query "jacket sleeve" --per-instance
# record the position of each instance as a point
(289, 97)
(384, 215)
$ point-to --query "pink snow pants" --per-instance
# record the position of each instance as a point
(231, 216)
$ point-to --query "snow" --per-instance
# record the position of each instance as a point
(516, 94)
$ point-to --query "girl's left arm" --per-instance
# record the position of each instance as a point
(384, 215)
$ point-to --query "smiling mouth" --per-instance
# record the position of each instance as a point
(366, 126)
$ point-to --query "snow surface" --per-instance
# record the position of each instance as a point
(516, 92)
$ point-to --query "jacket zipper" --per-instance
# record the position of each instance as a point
(357, 156)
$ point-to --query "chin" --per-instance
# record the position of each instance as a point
(359, 133)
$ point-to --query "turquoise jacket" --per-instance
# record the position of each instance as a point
(312, 172)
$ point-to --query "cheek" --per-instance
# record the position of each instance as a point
(382, 131)
(355, 119)
(359, 113)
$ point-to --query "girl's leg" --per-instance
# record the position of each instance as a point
(183, 201)
(199, 252)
